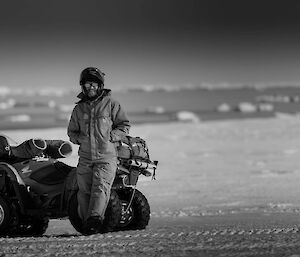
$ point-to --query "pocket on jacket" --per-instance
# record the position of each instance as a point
(84, 124)
(104, 127)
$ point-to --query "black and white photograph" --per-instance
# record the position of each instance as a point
(149, 128)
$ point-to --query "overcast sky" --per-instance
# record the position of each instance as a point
(138, 42)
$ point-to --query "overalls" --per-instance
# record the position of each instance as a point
(95, 125)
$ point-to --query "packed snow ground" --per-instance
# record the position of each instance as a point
(215, 165)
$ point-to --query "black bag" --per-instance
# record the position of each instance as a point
(33, 148)
(132, 148)
(29, 149)
(58, 149)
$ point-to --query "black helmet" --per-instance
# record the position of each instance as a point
(92, 74)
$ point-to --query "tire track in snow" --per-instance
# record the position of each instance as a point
(166, 242)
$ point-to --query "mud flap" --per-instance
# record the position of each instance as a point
(70, 188)
(129, 180)
(133, 177)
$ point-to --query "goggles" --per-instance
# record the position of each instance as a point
(88, 85)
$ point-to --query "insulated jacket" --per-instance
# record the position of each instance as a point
(95, 125)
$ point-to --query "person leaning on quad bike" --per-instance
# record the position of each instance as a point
(96, 122)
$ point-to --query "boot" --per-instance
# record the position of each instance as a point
(93, 225)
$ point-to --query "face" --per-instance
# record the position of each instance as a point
(91, 88)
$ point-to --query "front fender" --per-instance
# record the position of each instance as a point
(11, 173)
(6, 170)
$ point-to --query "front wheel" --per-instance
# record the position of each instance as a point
(137, 215)
(35, 226)
(112, 214)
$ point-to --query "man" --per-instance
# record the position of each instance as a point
(96, 122)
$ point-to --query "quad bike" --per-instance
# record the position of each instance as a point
(36, 187)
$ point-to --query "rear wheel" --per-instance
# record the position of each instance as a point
(112, 214)
(137, 216)
(5, 215)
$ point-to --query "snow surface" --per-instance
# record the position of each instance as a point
(217, 164)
